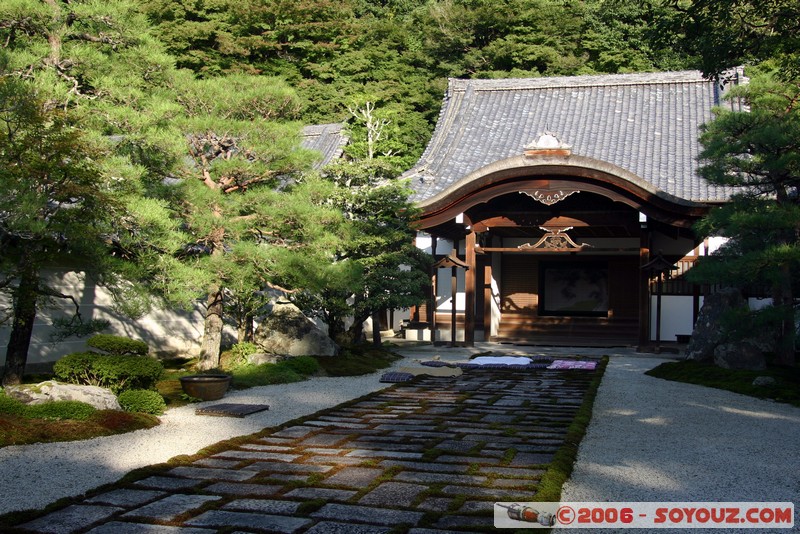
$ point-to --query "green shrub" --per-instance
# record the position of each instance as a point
(305, 365)
(266, 374)
(142, 401)
(10, 406)
(117, 373)
(244, 349)
(79, 411)
(117, 345)
(49, 410)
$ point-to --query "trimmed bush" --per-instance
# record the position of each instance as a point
(117, 345)
(142, 401)
(116, 373)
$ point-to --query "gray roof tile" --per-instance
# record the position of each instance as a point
(646, 124)
(327, 139)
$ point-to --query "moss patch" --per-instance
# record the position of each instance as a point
(786, 388)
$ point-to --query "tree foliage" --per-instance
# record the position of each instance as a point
(758, 152)
(728, 33)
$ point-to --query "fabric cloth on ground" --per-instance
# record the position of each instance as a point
(500, 360)
(572, 364)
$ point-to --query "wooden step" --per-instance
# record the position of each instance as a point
(577, 331)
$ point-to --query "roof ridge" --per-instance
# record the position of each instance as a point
(580, 81)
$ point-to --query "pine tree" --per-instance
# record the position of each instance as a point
(758, 152)
(98, 197)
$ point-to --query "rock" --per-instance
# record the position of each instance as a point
(764, 381)
(740, 355)
(287, 331)
(100, 398)
(262, 357)
(708, 331)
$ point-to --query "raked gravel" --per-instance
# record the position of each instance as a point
(32, 476)
(652, 440)
(649, 439)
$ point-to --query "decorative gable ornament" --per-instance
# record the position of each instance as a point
(554, 240)
(547, 144)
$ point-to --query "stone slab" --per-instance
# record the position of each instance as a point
(257, 455)
(331, 527)
(435, 478)
(209, 473)
(71, 519)
(234, 488)
(354, 477)
(393, 494)
(127, 498)
(295, 432)
(170, 507)
(279, 467)
(272, 523)
(367, 514)
(371, 453)
(263, 506)
(229, 409)
(321, 493)
(167, 483)
(118, 527)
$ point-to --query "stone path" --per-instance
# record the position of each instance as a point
(432, 455)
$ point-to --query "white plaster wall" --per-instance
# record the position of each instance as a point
(676, 316)
(163, 330)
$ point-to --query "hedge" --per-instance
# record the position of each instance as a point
(142, 401)
(118, 345)
(117, 373)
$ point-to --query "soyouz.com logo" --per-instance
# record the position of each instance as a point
(756, 515)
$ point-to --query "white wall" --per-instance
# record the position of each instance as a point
(676, 316)
(163, 330)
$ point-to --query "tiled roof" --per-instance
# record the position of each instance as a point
(327, 139)
(646, 124)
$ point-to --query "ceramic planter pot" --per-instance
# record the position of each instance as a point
(206, 387)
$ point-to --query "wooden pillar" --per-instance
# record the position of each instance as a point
(453, 295)
(432, 305)
(487, 300)
(469, 288)
(644, 290)
(431, 311)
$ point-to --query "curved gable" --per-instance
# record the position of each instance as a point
(643, 127)
(553, 177)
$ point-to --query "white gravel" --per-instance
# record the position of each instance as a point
(32, 476)
(652, 440)
(649, 439)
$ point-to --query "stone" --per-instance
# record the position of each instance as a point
(263, 357)
(171, 506)
(379, 516)
(287, 331)
(227, 519)
(764, 381)
(708, 330)
(71, 519)
(741, 355)
(50, 390)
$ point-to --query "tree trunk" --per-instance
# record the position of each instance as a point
(22, 327)
(244, 331)
(376, 328)
(783, 299)
(212, 335)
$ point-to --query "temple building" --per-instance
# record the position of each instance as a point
(560, 210)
